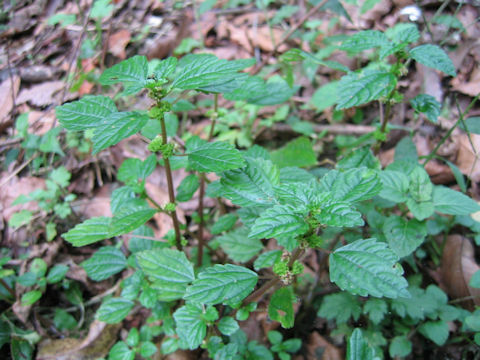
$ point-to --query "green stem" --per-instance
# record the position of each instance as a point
(171, 193)
(201, 195)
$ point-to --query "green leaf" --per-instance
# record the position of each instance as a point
(434, 57)
(475, 280)
(133, 214)
(133, 337)
(191, 327)
(452, 202)
(136, 244)
(280, 307)
(132, 73)
(361, 88)
(133, 169)
(339, 214)
(471, 125)
(420, 190)
(168, 270)
(299, 195)
(63, 320)
(187, 187)
(224, 223)
(147, 349)
(88, 232)
(114, 310)
(86, 113)
(358, 349)
(325, 96)
(282, 220)
(437, 331)
(30, 297)
(238, 246)
(206, 72)
(352, 185)
(341, 307)
(367, 267)
(403, 33)
(375, 309)
(165, 68)
(400, 346)
(222, 283)
(394, 186)
(115, 128)
(57, 273)
(252, 185)
(215, 157)
(121, 351)
(428, 105)
(258, 92)
(228, 325)
(119, 196)
(298, 152)
(267, 259)
(364, 40)
(107, 261)
(404, 236)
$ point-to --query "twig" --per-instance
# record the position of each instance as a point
(8, 288)
(17, 170)
(201, 242)
(171, 193)
(342, 129)
(12, 84)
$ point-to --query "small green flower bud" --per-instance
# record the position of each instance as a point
(297, 268)
(280, 268)
(156, 144)
(170, 207)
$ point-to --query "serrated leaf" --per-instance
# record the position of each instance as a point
(114, 310)
(222, 283)
(341, 307)
(228, 325)
(169, 270)
(57, 273)
(280, 220)
(356, 89)
(394, 186)
(132, 73)
(206, 72)
(106, 261)
(434, 57)
(258, 92)
(215, 157)
(359, 158)
(251, 185)
(187, 187)
(403, 33)
(89, 232)
(298, 194)
(224, 223)
(121, 351)
(375, 309)
(364, 40)
(400, 346)
(30, 297)
(133, 169)
(119, 197)
(116, 127)
(352, 185)
(191, 328)
(133, 214)
(428, 105)
(367, 267)
(404, 236)
(437, 331)
(86, 113)
(452, 202)
(165, 68)
(280, 307)
(339, 214)
(358, 349)
(298, 152)
(267, 259)
(238, 246)
(293, 174)
(137, 244)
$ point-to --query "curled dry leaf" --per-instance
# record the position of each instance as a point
(458, 266)
(118, 42)
(467, 157)
(6, 100)
(96, 344)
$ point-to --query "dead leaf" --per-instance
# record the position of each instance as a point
(98, 205)
(319, 348)
(40, 121)
(38, 73)
(262, 38)
(6, 100)
(182, 355)
(97, 343)
(458, 267)
(118, 42)
(469, 86)
(467, 157)
(41, 95)
(13, 189)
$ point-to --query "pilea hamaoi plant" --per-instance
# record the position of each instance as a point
(199, 291)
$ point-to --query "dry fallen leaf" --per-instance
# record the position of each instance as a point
(97, 343)
(470, 86)
(319, 348)
(42, 94)
(458, 267)
(467, 157)
(6, 100)
(118, 42)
